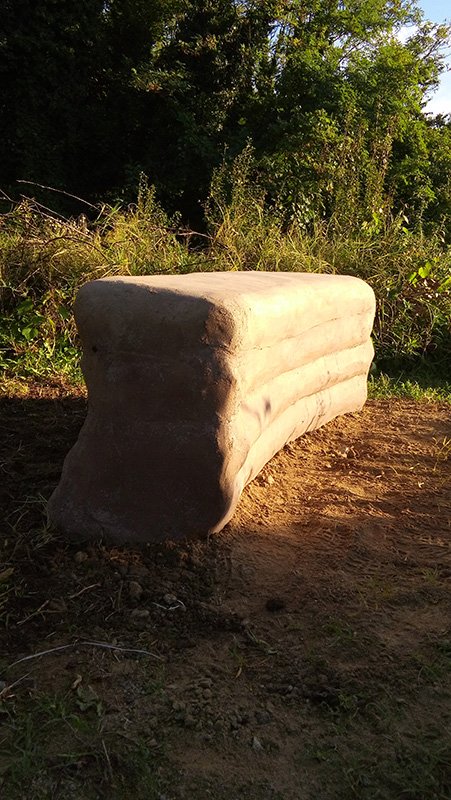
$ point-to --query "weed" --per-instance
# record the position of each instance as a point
(56, 747)
(413, 768)
(431, 576)
(45, 258)
(434, 666)
(342, 635)
(155, 685)
(443, 451)
(421, 386)
(30, 516)
(239, 658)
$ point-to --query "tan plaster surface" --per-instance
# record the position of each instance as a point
(194, 383)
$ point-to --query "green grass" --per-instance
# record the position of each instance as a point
(427, 387)
(44, 259)
(412, 768)
(58, 746)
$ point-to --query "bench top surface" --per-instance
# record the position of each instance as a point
(240, 309)
(234, 284)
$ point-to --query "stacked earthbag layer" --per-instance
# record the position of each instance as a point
(194, 383)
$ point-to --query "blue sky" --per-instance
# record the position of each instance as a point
(439, 11)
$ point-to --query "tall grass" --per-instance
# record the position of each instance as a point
(409, 271)
(45, 258)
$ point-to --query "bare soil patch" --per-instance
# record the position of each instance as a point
(303, 653)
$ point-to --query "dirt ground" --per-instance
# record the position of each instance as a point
(302, 654)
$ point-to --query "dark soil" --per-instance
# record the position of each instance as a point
(303, 654)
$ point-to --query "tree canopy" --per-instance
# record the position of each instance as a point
(94, 93)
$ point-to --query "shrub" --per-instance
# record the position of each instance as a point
(45, 258)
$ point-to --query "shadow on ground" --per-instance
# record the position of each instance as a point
(304, 652)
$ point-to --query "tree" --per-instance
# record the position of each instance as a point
(68, 107)
(95, 92)
(198, 77)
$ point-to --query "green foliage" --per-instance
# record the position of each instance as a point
(409, 271)
(340, 130)
(69, 111)
(421, 384)
(94, 93)
(291, 135)
(44, 259)
(56, 743)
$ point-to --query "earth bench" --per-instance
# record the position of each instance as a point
(194, 383)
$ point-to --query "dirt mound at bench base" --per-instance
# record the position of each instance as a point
(305, 649)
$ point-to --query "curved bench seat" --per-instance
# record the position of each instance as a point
(194, 383)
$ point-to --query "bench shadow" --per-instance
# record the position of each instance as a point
(36, 437)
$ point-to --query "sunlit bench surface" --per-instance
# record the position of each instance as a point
(194, 383)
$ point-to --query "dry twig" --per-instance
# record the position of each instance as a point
(86, 643)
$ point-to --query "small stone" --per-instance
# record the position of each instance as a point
(153, 743)
(270, 480)
(80, 556)
(170, 599)
(207, 694)
(257, 745)
(343, 453)
(135, 590)
(138, 571)
(140, 614)
(270, 707)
